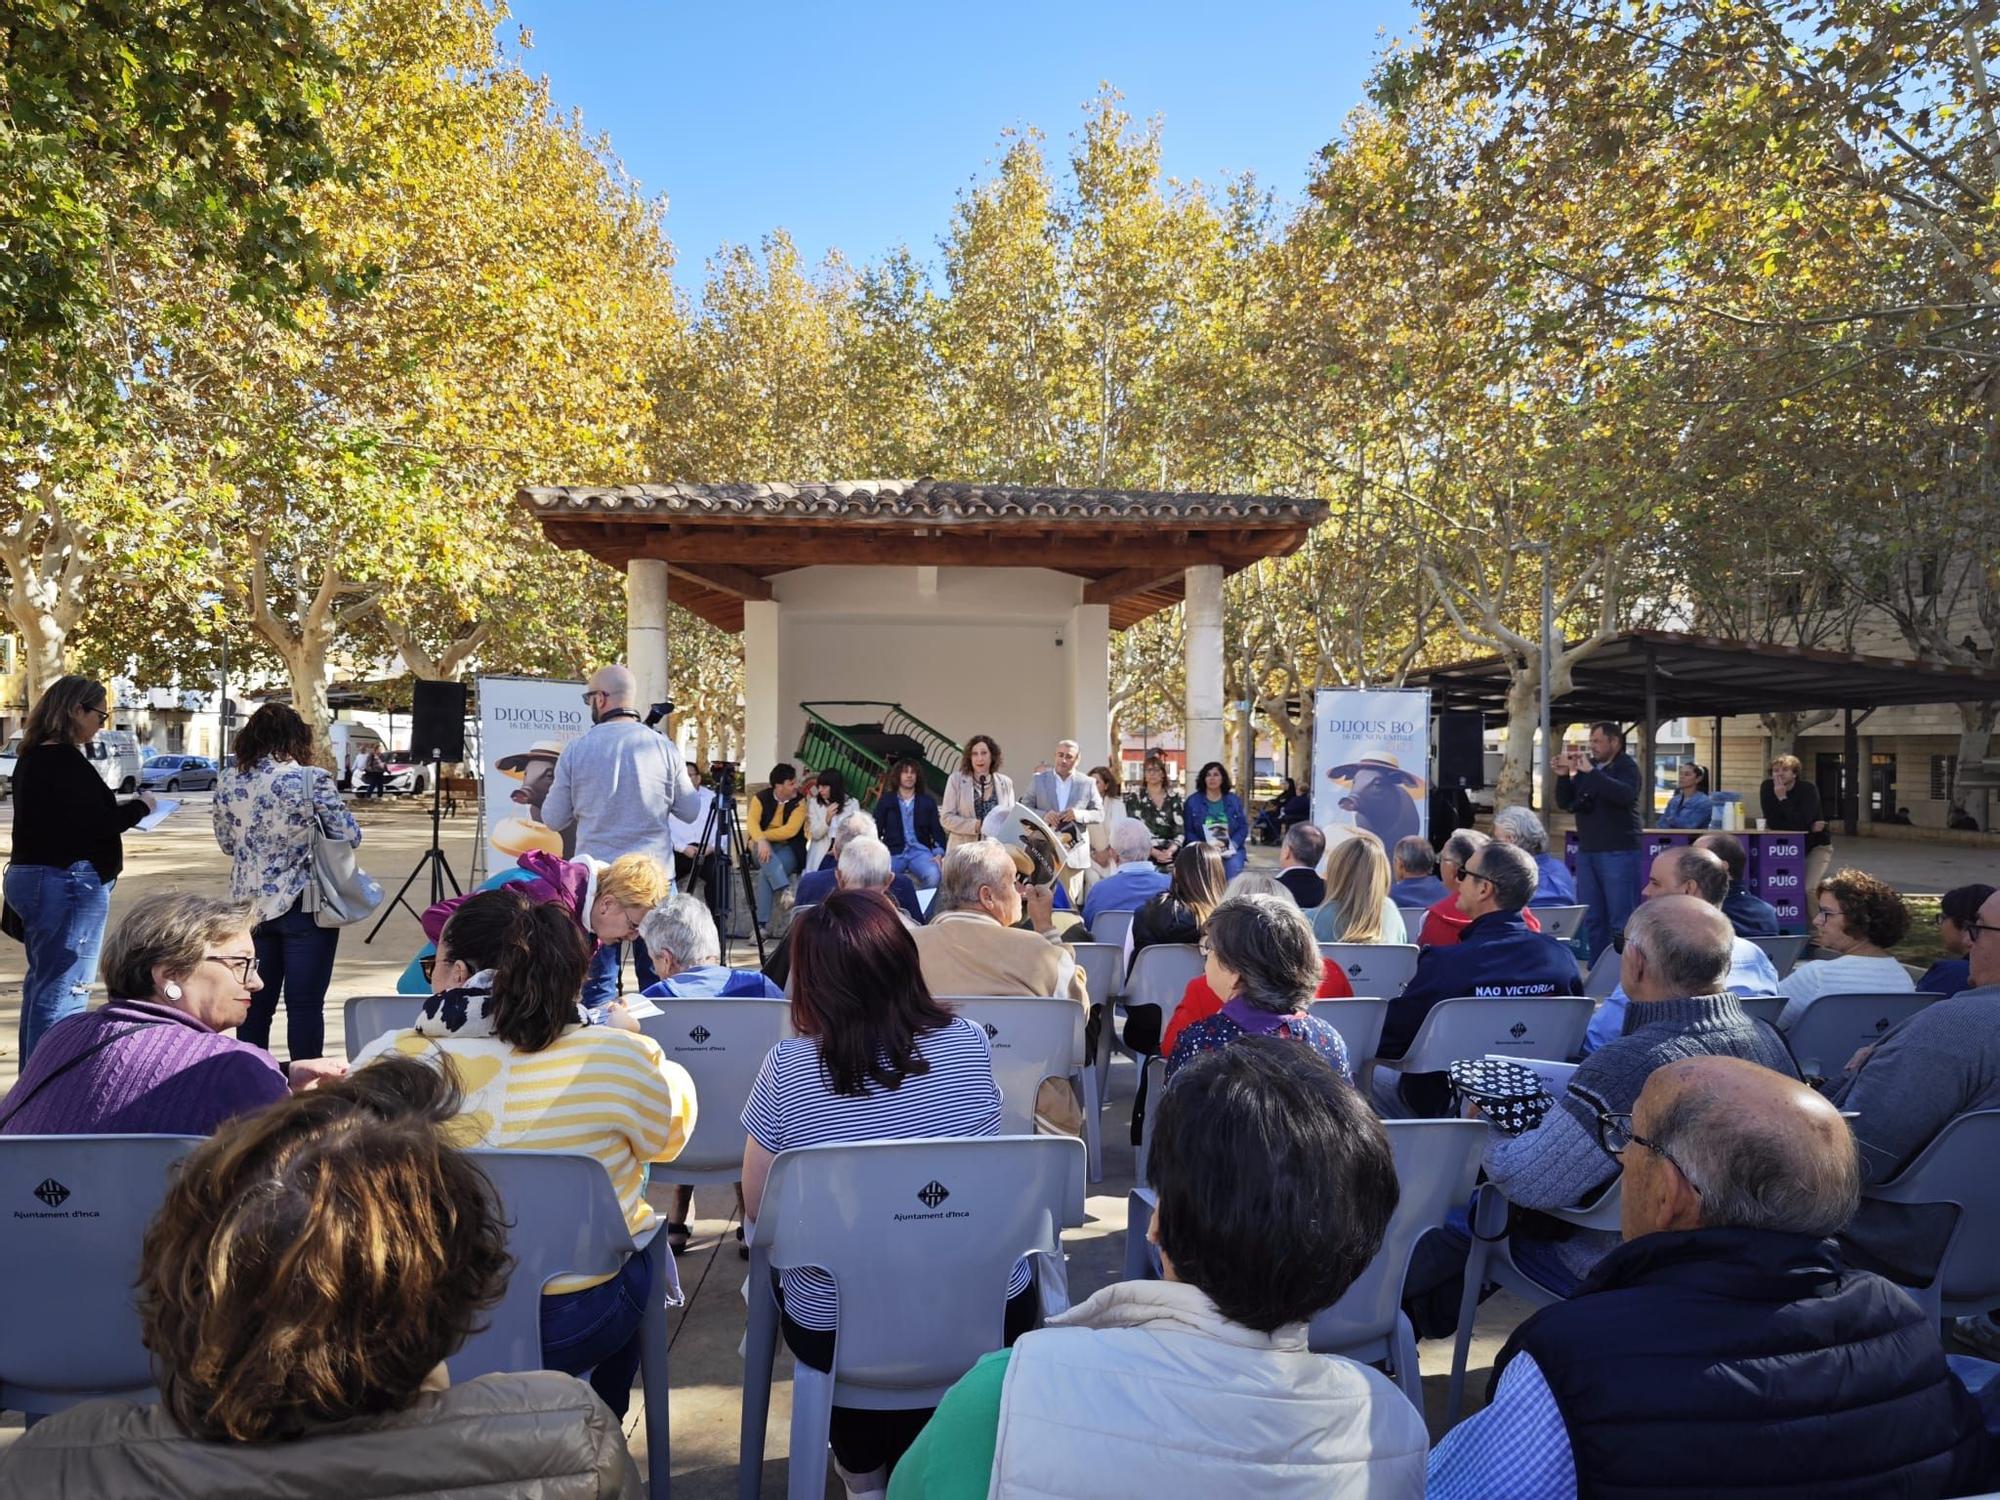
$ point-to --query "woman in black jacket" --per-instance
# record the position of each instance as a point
(68, 850)
(1177, 915)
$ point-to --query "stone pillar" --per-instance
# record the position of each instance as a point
(761, 698)
(1204, 667)
(646, 629)
(1089, 638)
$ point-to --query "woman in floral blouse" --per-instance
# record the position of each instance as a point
(1158, 806)
(264, 812)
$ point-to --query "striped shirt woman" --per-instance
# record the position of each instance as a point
(537, 1076)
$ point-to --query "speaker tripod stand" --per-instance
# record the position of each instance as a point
(433, 858)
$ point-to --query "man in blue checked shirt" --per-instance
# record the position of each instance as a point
(1723, 1347)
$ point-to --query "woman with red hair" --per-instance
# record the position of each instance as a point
(875, 1058)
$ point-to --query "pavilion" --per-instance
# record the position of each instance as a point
(978, 607)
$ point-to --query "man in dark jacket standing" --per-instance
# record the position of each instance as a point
(1605, 796)
(1496, 955)
(1723, 1347)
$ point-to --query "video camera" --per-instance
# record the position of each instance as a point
(658, 712)
(722, 777)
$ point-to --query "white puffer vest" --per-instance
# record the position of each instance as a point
(1146, 1389)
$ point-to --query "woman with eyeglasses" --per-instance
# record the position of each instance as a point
(265, 809)
(68, 851)
(1856, 919)
(157, 1059)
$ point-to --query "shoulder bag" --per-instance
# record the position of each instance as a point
(338, 891)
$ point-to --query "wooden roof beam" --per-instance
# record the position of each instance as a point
(723, 578)
(1116, 586)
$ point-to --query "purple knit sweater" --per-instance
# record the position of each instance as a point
(170, 1076)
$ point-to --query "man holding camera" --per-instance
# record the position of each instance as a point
(619, 784)
(1603, 790)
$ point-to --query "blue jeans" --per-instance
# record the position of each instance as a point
(773, 876)
(595, 1332)
(1435, 1280)
(921, 865)
(1607, 883)
(64, 911)
(295, 961)
(600, 985)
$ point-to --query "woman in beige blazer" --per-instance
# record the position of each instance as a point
(975, 789)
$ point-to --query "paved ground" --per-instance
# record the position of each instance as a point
(707, 1370)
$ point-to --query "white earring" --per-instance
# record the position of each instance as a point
(173, 990)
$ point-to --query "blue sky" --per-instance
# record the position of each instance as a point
(856, 126)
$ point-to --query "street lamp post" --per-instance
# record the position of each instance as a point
(1548, 656)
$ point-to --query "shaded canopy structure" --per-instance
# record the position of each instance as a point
(978, 606)
(1642, 675)
(1647, 676)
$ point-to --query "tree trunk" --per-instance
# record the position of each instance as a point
(306, 668)
(1975, 742)
(448, 663)
(1785, 727)
(1524, 716)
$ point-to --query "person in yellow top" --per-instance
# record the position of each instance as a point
(538, 1075)
(778, 827)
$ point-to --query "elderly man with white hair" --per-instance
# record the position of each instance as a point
(1520, 827)
(867, 865)
(974, 947)
(680, 934)
(817, 886)
(620, 785)
(1135, 881)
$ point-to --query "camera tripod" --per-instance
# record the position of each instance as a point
(721, 838)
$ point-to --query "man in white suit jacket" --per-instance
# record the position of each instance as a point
(1067, 799)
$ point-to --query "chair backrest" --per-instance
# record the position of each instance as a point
(1783, 950)
(1413, 920)
(920, 1238)
(1550, 1026)
(1359, 1022)
(1437, 1162)
(1603, 976)
(1374, 968)
(365, 1017)
(1957, 1167)
(1115, 928)
(563, 1219)
(1032, 1039)
(1561, 922)
(78, 1206)
(1160, 976)
(1103, 966)
(1765, 1008)
(1835, 1026)
(722, 1043)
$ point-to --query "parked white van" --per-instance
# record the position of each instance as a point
(114, 754)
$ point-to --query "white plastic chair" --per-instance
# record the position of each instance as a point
(1437, 1162)
(1603, 976)
(1034, 1038)
(1159, 976)
(1359, 1021)
(564, 1219)
(1103, 966)
(365, 1017)
(1550, 1026)
(1956, 1168)
(1783, 950)
(1114, 928)
(722, 1044)
(1373, 968)
(1833, 1027)
(1561, 922)
(78, 1206)
(920, 1238)
(1413, 920)
(1491, 1260)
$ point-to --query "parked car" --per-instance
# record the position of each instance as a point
(179, 773)
(407, 775)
